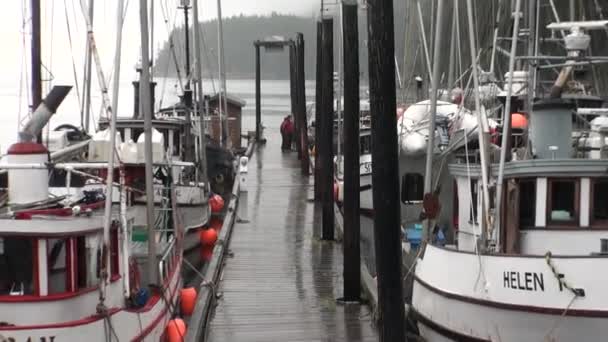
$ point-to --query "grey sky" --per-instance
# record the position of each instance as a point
(56, 39)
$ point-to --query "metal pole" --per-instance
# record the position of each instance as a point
(258, 104)
(430, 150)
(301, 108)
(452, 50)
(340, 138)
(482, 123)
(385, 169)
(327, 120)
(223, 101)
(187, 43)
(36, 59)
(506, 125)
(199, 90)
(424, 43)
(147, 111)
(112, 151)
(89, 63)
(352, 256)
(318, 106)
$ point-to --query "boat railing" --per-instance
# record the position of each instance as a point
(166, 264)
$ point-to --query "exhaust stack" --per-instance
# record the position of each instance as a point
(43, 113)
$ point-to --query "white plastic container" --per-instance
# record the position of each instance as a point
(128, 152)
(99, 147)
(158, 147)
(27, 185)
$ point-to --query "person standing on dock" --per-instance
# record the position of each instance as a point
(287, 129)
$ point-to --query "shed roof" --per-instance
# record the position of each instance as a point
(233, 99)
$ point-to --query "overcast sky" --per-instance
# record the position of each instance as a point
(58, 54)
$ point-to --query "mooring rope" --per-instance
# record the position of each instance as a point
(578, 292)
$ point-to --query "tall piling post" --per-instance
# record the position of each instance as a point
(318, 100)
(293, 79)
(327, 125)
(258, 97)
(352, 257)
(385, 166)
(301, 106)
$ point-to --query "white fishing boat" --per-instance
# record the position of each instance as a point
(524, 262)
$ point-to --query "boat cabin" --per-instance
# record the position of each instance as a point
(556, 201)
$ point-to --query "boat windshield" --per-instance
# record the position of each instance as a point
(16, 266)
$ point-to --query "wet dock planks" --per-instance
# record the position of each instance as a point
(282, 282)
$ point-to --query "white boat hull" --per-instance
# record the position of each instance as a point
(464, 297)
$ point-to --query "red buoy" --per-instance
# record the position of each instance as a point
(519, 121)
(216, 202)
(216, 223)
(208, 237)
(206, 253)
(187, 300)
(176, 330)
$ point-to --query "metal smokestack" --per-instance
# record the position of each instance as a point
(43, 113)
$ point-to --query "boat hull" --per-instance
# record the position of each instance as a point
(465, 297)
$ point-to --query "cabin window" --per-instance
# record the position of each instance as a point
(114, 259)
(527, 203)
(365, 144)
(562, 203)
(599, 204)
(474, 203)
(412, 188)
(17, 266)
(87, 270)
(135, 133)
(58, 265)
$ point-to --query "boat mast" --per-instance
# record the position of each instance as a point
(199, 91)
(506, 126)
(430, 150)
(482, 122)
(452, 49)
(423, 36)
(339, 101)
(145, 98)
(86, 105)
(223, 102)
(36, 59)
(187, 98)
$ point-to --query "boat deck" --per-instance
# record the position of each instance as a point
(282, 282)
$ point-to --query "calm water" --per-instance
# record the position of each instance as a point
(275, 103)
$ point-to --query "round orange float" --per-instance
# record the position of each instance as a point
(176, 330)
(208, 237)
(519, 121)
(187, 300)
(216, 223)
(216, 202)
(206, 253)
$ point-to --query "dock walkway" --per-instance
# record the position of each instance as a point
(282, 282)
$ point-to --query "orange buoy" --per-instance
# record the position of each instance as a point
(216, 202)
(187, 300)
(216, 223)
(176, 330)
(206, 253)
(208, 237)
(519, 121)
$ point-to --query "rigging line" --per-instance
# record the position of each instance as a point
(26, 20)
(170, 30)
(206, 51)
(75, 74)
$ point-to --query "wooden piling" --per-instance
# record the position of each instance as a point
(301, 103)
(258, 98)
(385, 166)
(293, 78)
(327, 123)
(352, 257)
(318, 99)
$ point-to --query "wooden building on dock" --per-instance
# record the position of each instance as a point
(233, 119)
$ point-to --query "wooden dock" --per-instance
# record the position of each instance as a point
(282, 282)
